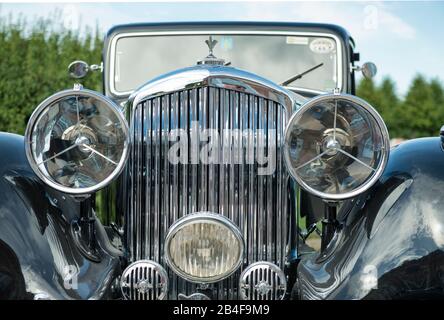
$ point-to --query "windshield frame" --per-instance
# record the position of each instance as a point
(118, 36)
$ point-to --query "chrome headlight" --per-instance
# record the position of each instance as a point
(336, 146)
(204, 247)
(77, 141)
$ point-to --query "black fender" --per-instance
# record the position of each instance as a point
(390, 241)
(38, 252)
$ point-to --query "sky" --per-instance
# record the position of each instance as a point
(401, 38)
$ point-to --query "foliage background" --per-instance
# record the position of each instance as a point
(33, 65)
(34, 60)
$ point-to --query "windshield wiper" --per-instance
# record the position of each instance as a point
(300, 75)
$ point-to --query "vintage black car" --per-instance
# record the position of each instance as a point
(215, 151)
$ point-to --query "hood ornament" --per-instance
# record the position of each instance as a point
(211, 59)
(211, 44)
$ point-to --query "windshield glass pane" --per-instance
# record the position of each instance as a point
(275, 57)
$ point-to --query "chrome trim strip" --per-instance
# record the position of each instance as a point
(114, 40)
(218, 77)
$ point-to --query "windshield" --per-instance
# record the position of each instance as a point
(137, 59)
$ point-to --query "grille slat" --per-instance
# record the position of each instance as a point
(193, 141)
(260, 189)
(162, 192)
(157, 176)
(279, 182)
(269, 186)
(165, 183)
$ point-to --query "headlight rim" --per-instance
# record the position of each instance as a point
(385, 153)
(204, 216)
(47, 103)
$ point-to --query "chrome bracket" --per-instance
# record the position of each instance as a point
(83, 244)
(77, 86)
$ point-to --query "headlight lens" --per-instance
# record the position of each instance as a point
(77, 141)
(204, 247)
(336, 146)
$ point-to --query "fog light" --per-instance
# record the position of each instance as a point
(144, 280)
(262, 280)
(204, 247)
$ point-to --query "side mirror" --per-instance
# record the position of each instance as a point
(369, 70)
(79, 69)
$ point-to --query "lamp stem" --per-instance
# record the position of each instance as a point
(329, 224)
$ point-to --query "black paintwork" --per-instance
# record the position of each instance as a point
(395, 232)
(36, 242)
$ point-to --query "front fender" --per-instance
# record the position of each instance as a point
(38, 255)
(391, 241)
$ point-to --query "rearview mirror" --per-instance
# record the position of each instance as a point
(78, 69)
(369, 70)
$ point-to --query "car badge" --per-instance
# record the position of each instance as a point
(211, 59)
(211, 43)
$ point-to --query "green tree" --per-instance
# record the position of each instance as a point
(418, 115)
(437, 94)
(33, 65)
(368, 91)
(388, 103)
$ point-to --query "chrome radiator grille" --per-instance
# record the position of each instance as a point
(159, 192)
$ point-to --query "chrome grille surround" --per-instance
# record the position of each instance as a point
(159, 193)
